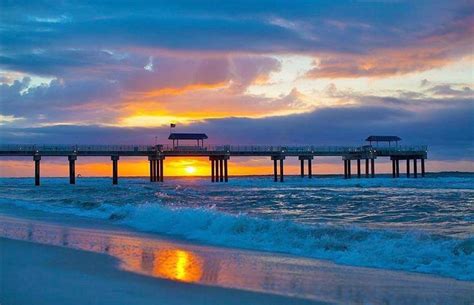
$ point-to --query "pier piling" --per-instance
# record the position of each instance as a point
(345, 169)
(226, 171)
(72, 168)
(422, 167)
(156, 169)
(367, 168)
(281, 170)
(310, 169)
(394, 171)
(162, 168)
(349, 174)
(397, 167)
(415, 168)
(275, 167)
(372, 165)
(302, 167)
(310, 165)
(275, 173)
(114, 169)
(408, 168)
(37, 159)
(212, 171)
(358, 168)
(219, 168)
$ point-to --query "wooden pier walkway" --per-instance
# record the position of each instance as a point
(220, 154)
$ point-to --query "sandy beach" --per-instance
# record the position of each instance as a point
(41, 274)
(76, 261)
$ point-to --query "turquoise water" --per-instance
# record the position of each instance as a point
(423, 225)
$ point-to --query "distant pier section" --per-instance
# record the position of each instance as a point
(361, 159)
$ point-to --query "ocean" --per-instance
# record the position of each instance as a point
(420, 225)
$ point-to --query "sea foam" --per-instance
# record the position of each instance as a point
(350, 245)
(409, 251)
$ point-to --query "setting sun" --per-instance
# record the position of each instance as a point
(190, 170)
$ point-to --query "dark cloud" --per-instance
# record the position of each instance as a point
(57, 100)
(448, 90)
(448, 131)
(40, 37)
(96, 93)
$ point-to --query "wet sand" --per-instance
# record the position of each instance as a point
(76, 261)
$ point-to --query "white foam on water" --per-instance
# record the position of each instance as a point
(351, 245)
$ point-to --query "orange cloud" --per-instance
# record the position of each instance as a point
(200, 103)
(442, 47)
(184, 89)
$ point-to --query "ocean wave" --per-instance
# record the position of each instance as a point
(388, 249)
(409, 251)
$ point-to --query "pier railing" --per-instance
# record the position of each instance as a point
(308, 149)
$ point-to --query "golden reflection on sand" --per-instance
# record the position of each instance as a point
(171, 263)
(176, 264)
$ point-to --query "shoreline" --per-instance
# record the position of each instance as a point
(39, 274)
(183, 263)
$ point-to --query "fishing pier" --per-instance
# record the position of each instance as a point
(219, 155)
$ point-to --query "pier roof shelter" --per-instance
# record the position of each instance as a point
(199, 137)
(388, 139)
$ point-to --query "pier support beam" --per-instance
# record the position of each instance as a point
(114, 169)
(394, 171)
(212, 170)
(397, 167)
(216, 168)
(358, 168)
(37, 159)
(422, 167)
(310, 169)
(152, 169)
(349, 173)
(415, 168)
(281, 170)
(408, 168)
(310, 166)
(367, 168)
(156, 168)
(275, 169)
(162, 168)
(346, 176)
(219, 168)
(372, 165)
(72, 168)
(226, 171)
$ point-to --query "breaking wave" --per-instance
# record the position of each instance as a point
(381, 248)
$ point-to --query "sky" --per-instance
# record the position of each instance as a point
(244, 72)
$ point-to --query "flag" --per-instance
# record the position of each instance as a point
(172, 125)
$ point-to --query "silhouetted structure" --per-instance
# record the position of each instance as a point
(388, 139)
(220, 154)
(199, 137)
